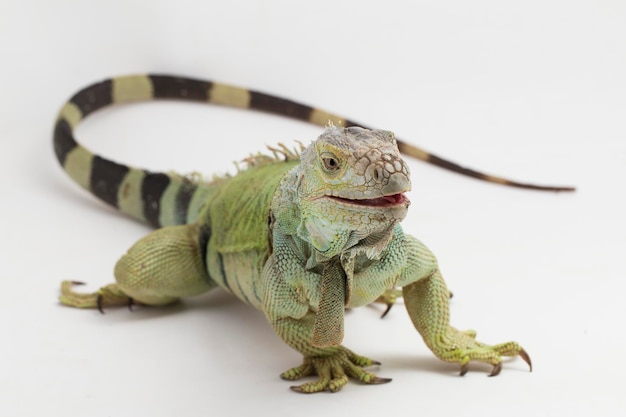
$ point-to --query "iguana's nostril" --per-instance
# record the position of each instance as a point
(378, 173)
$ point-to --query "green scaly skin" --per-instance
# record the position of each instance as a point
(300, 237)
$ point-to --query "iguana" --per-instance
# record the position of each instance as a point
(300, 235)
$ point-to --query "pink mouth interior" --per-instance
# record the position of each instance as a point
(385, 201)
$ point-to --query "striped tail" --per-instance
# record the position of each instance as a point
(159, 199)
(166, 199)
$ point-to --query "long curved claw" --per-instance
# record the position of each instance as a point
(496, 369)
(378, 381)
(464, 369)
(389, 305)
(388, 298)
(524, 355)
(99, 303)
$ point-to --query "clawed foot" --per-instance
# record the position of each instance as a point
(333, 372)
(104, 297)
(389, 298)
(498, 366)
(462, 348)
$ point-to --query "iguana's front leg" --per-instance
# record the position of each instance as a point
(426, 298)
(296, 305)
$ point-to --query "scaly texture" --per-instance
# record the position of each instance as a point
(299, 235)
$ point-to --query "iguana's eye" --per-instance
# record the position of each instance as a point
(330, 161)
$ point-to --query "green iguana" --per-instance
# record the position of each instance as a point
(299, 235)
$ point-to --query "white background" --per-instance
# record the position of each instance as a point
(533, 90)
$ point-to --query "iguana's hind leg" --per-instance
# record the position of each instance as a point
(159, 269)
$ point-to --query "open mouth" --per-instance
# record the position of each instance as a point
(384, 201)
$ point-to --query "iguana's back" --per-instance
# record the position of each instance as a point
(235, 228)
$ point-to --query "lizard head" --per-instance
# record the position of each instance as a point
(351, 186)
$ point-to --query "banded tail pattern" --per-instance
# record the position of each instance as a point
(168, 199)
(157, 198)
